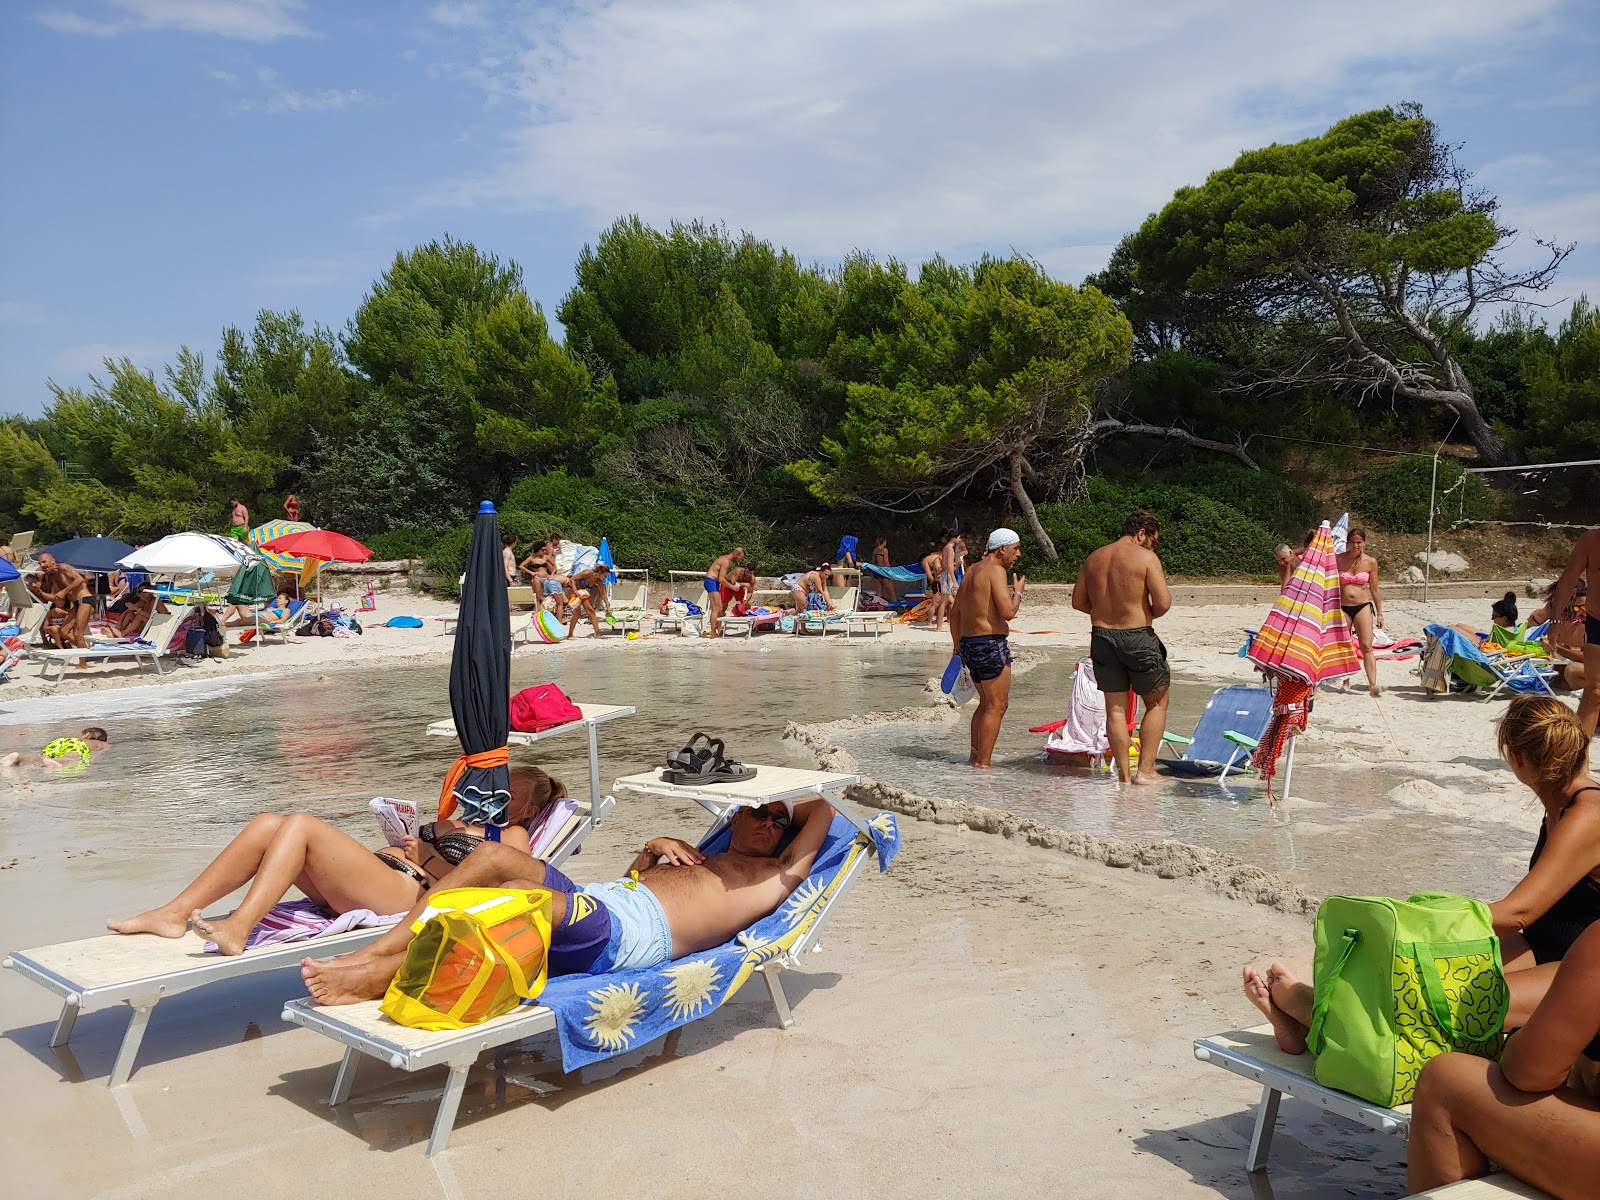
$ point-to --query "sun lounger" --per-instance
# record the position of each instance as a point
(1491, 674)
(1499, 1186)
(1254, 1054)
(629, 600)
(112, 969)
(867, 621)
(159, 634)
(1228, 730)
(12, 651)
(851, 842)
(688, 586)
(594, 715)
(30, 620)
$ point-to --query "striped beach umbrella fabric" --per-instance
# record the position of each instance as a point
(1306, 636)
(265, 533)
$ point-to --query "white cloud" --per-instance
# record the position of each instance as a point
(913, 126)
(276, 98)
(250, 20)
(90, 359)
(460, 14)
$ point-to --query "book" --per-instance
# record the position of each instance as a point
(397, 818)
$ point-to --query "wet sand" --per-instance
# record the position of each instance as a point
(989, 1017)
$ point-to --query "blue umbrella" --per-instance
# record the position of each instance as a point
(480, 684)
(97, 554)
(604, 558)
(8, 572)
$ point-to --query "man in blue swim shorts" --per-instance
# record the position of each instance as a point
(718, 579)
(673, 901)
(986, 603)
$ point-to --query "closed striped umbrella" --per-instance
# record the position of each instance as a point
(265, 533)
(1306, 636)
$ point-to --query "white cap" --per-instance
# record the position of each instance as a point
(1002, 537)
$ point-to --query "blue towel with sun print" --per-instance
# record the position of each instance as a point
(598, 1016)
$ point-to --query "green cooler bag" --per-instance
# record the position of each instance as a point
(1398, 982)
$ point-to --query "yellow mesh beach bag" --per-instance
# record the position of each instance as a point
(1398, 982)
(477, 953)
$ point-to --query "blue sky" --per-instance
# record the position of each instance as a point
(174, 166)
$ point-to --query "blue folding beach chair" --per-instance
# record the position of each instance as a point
(1232, 724)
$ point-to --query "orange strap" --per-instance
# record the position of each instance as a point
(497, 757)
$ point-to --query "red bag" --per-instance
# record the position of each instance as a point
(542, 706)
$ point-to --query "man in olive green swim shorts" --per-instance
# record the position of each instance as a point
(1124, 590)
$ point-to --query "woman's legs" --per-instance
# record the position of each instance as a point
(339, 869)
(231, 869)
(1362, 623)
(1465, 1114)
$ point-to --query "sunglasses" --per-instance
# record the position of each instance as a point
(779, 818)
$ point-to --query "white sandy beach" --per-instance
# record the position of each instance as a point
(988, 1018)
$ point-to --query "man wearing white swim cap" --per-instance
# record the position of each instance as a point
(980, 620)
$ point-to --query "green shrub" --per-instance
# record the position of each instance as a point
(1199, 535)
(408, 541)
(1266, 497)
(1396, 498)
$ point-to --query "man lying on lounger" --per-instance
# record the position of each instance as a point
(673, 901)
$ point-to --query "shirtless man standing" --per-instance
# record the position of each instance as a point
(679, 902)
(1123, 589)
(979, 625)
(717, 578)
(57, 583)
(1584, 564)
(238, 518)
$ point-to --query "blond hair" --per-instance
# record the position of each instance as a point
(546, 790)
(1545, 734)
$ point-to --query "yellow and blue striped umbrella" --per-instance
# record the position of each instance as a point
(272, 529)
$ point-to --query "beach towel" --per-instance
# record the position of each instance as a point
(301, 920)
(1085, 729)
(598, 1016)
(1291, 709)
(403, 623)
(847, 545)
(907, 574)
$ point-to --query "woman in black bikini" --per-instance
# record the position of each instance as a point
(275, 853)
(1361, 600)
(1558, 899)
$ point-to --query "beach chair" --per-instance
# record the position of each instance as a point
(1253, 1054)
(12, 651)
(30, 620)
(520, 597)
(295, 615)
(629, 599)
(1228, 730)
(687, 586)
(771, 945)
(139, 971)
(158, 636)
(1499, 1186)
(1490, 674)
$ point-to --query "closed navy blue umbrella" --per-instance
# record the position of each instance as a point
(99, 554)
(480, 684)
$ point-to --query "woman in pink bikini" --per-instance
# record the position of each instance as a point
(1361, 600)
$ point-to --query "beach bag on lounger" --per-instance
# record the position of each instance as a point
(477, 953)
(1398, 983)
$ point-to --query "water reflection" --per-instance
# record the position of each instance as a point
(214, 752)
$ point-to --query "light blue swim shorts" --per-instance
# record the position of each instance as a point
(639, 933)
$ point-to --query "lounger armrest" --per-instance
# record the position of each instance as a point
(1177, 739)
(1239, 739)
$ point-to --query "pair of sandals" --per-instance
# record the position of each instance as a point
(704, 760)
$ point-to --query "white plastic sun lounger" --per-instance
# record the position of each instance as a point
(112, 969)
(1253, 1053)
(157, 633)
(1499, 1186)
(363, 1029)
(866, 621)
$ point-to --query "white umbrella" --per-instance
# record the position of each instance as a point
(180, 553)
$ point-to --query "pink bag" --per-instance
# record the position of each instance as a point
(542, 706)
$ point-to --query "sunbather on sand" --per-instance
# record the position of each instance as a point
(1534, 1112)
(673, 901)
(1547, 912)
(275, 853)
(66, 753)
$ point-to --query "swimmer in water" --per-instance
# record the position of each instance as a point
(66, 753)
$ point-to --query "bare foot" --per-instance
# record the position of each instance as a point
(229, 938)
(1146, 778)
(1374, 690)
(348, 980)
(163, 922)
(1290, 1034)
(1289, 998)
